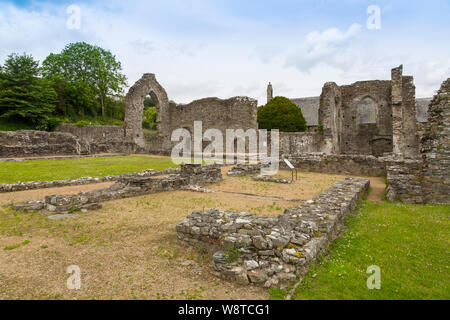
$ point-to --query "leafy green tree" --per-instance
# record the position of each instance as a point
(76, 100)
(281, 113)
(91, 65)
(24, 95)
(148, 102)
(116, 109)
(149, 119)
(149, 116)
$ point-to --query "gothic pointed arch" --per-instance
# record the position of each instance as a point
(134, 107)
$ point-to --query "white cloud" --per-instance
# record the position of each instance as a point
(200, 50)
(330, 47)
(428, 76)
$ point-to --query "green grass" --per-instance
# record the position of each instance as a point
(61, 169)
(410, 244)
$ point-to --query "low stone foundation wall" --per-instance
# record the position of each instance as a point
(265, 178)
(338, 164)
(126, 186)
(21, 186)
(270, 251)
(241, 170)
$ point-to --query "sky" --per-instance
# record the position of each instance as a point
(225, 48)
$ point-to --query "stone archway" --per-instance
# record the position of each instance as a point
(134, 108)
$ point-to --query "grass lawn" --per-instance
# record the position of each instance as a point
(410, 244)
(60, 169)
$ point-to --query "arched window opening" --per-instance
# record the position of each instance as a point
(149, 117)
(367, 111)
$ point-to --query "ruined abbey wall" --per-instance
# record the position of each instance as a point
(93, 133)
(28, 143)
(293, 143)
(425, 178)
(361, 133)
(67, 139)
(214, 113)
(435, 148)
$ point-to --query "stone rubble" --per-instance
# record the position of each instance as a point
(271, 251)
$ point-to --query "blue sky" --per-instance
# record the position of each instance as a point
(225, 48)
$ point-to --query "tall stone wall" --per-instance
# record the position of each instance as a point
(134, 102)
(404, 180)
(358, 136)
(330, 103)
(404, 115)
(344, 126)
(292, 143)
(425, 179)
(435, 148)
(375, 117)
(214, 113)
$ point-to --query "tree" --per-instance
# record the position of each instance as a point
(148, 102)
(149, 116)
(75, 99)
(149, 119)
(281, 113)
(91, 65)
(23, 94)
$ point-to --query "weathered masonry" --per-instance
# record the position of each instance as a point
(427, 178)
(128, 185)
(376, 117)
(214, 113)
(271, 251)
(378, 128)
(375, 127)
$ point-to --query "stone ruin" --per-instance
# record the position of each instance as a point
(374, 127)
(435, 148)
(373, 117)
(215, 113)
(425, 178)
(126, 186)
(370, 128)
(378, 128)
(272, 251)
